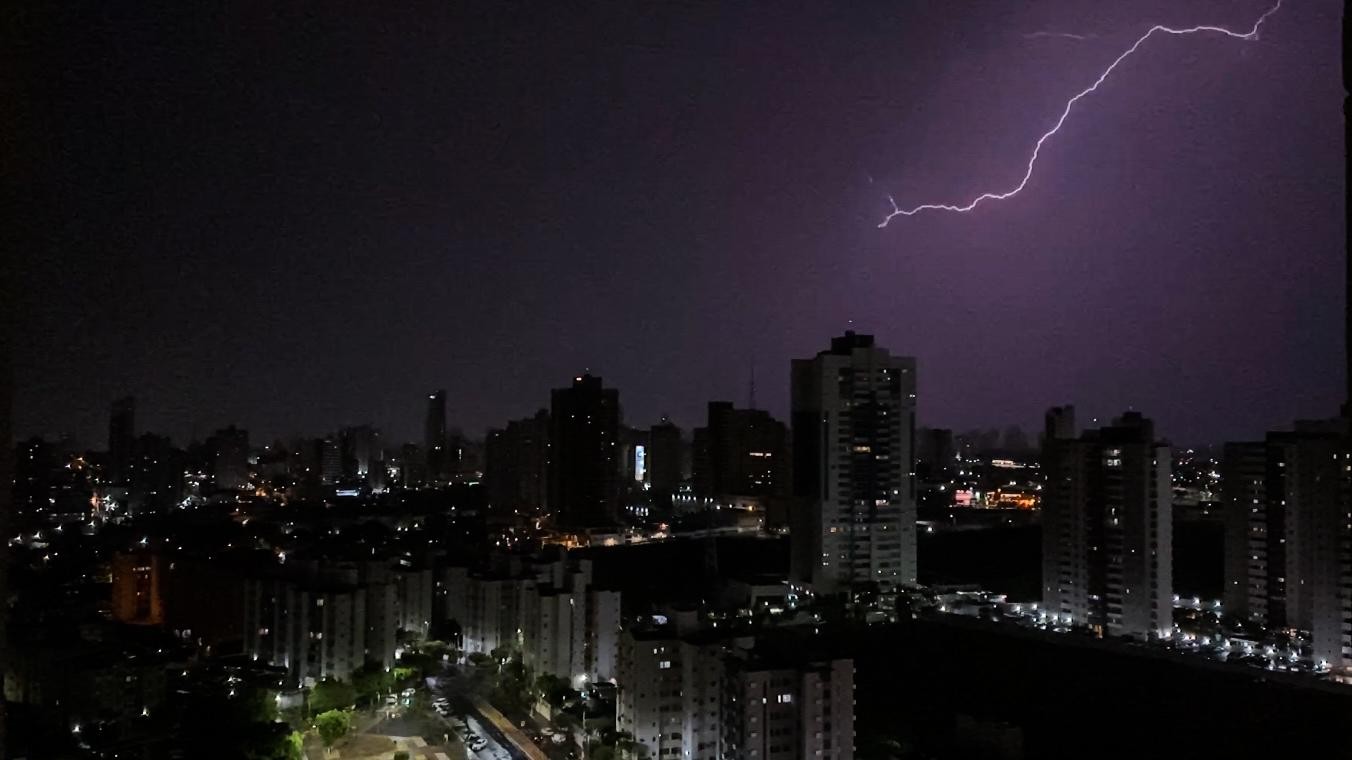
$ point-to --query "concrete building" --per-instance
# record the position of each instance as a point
(137, 595)
(330, 461)
(517, 471)
(788, 708)
(382, 617)
(229, 452)
(315, 631)
(1289, 535)
(668, 693)
(697, 694)
(360, 455)
(91, 672)
(492, 613)
(853, 521)
(415, 590)
(437, 467)
(154, 475)
(412, 465)
(198, 600)
(323, 619)
(121, 438)
(1107, 526)
(740, 452)
(584, 455)
(569, 629)
(548, 611)
(666, 457)
(450, 600)
(1255, 573)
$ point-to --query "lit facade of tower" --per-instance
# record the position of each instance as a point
(1107, 526)
(854, 487)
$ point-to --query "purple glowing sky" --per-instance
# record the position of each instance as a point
(295, 221)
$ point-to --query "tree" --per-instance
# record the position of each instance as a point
(331, 694)
(417, 662)
(333, 725)
(401, 755)
(271, 742)
(234, 721)
(482, 669)
(554, 690)
(295, 746)
(439, 650)
(512, 694)
(371, 680)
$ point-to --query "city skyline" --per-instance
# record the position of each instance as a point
(637, 381)
(315, 287)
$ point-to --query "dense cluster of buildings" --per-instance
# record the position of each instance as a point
(326, 619)
(848, 478)
(547, 609)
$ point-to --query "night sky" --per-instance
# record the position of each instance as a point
(298, 218)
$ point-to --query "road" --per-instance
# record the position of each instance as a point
(495, 746)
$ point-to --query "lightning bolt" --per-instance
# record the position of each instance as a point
(1252, 34)
(1064, 35)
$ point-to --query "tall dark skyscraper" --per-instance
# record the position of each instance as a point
(854, 491)
(412, 466)
(121, 438)
(361, 454)
(740, 452)
(155, 475)
(1107, 526)
(434, 438)
(665, 457)
(516, 472)
(229, 452)
(584, 465)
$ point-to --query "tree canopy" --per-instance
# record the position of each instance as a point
(333, 725)
(331, 694)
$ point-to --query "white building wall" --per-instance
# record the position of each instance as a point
(381, 623)
(701, 701)
(605, 634)
(415, 600)
(648, 704)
